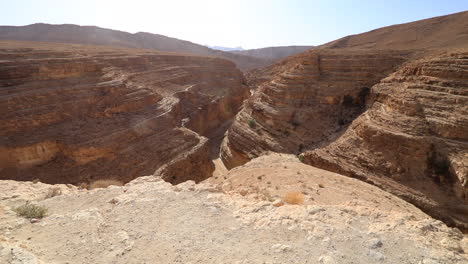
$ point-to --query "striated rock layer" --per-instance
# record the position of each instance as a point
(307, 98)
(72, 113)
(415, 132)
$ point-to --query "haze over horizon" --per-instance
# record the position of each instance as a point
(249, 24)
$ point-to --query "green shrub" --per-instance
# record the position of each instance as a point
(301, 157)
(30, 211)
(252, 123)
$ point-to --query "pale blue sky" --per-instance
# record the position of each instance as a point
(246, 23)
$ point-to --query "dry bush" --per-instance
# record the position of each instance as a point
(54, 191)
(104, 183)
(30, 211)
(293, 197)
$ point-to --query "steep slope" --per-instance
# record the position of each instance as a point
(415, 132)
(91, 35)
(73, 113)
(273, 53)
(438, 32)
(346, 221)
(310, 97)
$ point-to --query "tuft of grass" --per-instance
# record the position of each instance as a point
(294, 197)
(29, 210)
(54, 191)
(104, 183)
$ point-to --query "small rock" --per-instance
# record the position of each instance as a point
(278, 203)
(326, 259)
(376, 255)
(375, 243)
(315, 210)
(451, 244)
(281, 248)
(34, 220)
(429, 261)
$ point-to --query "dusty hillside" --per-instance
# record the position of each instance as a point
(72, 113)
(273, 53)
(450, 31)
(415, 132)
(151, 221)
(90, 35)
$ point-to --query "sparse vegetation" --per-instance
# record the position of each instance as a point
(441, 167)
(29, 210)
(54, 191)
(363, 94)
(252, 123)
(301, 158)
(104, 183)
(294, 197)
(295, 123)
(347, 100)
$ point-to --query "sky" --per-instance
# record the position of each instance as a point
(246, 23)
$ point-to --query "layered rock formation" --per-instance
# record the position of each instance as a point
(308, 98)
(415, 132)
(412, 139)
(72, 113)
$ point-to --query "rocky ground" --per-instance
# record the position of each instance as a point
(341, 220)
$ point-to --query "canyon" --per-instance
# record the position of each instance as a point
(394, 117)
(73, 114)
(348, 152)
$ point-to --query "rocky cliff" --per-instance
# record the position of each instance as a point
(72, 114)
(414, 132)
(308, 98)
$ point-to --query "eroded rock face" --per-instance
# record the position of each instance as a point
(415, 133)
(72, 114)
(306, 99)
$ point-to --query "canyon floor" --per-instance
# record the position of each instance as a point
(242, 220)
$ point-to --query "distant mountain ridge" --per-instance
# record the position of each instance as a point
(432, 33)
(91, 35)
(225, 48)
(274, 53)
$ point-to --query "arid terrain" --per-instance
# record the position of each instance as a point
(342, 220)
(147, 149)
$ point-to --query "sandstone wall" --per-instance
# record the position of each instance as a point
(415, 133)
(306, 99)
(72, 113)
